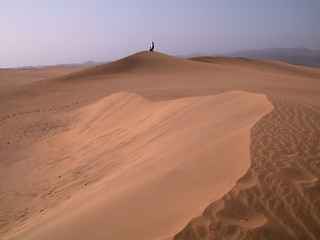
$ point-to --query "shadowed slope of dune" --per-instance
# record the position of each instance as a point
(67, 139)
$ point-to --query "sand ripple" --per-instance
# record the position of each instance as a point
(278, 198)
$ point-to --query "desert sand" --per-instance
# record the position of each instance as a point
(157, 147)
(14, 77)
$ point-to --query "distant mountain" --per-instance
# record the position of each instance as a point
(297, 56)
(88, 63)
(192, 55)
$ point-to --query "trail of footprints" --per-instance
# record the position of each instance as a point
(281, 189)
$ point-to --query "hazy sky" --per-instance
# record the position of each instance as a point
(48, 32)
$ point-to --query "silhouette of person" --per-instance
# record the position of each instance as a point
(152, 47)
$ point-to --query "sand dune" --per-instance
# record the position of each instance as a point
(136, 148)
(142, 146)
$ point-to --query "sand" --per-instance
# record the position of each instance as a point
(14, 77)
(156, 147)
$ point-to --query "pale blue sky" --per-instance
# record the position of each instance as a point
(48, 32)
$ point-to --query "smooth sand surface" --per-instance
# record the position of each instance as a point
(156, 147)
(14, 77)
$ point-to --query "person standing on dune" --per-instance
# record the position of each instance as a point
(152, 47)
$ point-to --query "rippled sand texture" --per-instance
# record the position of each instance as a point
(278, 198)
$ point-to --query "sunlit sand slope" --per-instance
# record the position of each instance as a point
(151, 162)
(16, 77)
